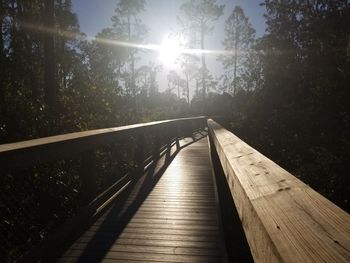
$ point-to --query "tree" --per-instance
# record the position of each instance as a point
(39, 41)
(51, 85)
(105, 61)
(3, 33)
(67, 40)
(239, 37)
(146, 77)
(175, 82)
(252, 70)
(128, 27)
(188, 64)
(299, 116)
(195, 19)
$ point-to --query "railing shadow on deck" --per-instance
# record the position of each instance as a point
(120, 214)
(83, 158)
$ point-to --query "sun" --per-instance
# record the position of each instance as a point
(169, 51)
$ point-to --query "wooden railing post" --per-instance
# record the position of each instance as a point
(187, 129)
(157, 142)
(177, 133)
(140, 150)
(203, 123)
(168, 139)
(88, 149)
(88, 182)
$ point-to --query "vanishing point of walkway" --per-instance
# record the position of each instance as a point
(170, 215)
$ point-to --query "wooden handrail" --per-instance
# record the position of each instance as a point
(88, 194)
(284, 219)
(19, 155)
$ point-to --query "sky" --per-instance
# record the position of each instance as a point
(160, 18)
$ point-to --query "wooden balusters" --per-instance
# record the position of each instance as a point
(167, 136)
(177, 133)
(157, 134)
(140, 150)
(88, 186)
(17, 157)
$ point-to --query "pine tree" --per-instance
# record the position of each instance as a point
(196, 18)
(129, 28)
(39, 51)
(188, 63)
(239, 37)
(303, 104)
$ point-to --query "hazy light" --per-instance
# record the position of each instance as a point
(169, 51)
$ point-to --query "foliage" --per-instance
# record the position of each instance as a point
(54, 81)
(298, 113)
(129, 28)
(188, 64)
(291, 98)
(195, 20)
(239, 38)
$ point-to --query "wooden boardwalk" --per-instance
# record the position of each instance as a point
(169, 211)
(169, 215)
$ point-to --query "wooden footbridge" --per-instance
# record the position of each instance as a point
(184, 190)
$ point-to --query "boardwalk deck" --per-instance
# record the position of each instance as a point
(170, 215)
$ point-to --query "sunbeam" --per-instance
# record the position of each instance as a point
(168, 49)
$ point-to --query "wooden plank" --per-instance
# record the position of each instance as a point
(155, 249)
(154, 257)
(198, 227)
(167, 211)
(175, 207)
(284, 219)
(75, 259)
(168, 231)
(176, 221)
(157, 236)
(103, 242)
(169, 221)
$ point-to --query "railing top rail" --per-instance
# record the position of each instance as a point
(284, 219)
(19, 155)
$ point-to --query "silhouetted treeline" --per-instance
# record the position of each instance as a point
(53, 80)
(290, 87)
(286, 93)
(299, 113)
(289, 90)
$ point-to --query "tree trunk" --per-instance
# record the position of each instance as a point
(51, 87)
(153, 82)
(235, 60)
(187, 88)
(2, 15)
(203, 61)
(2, 53)
(235, 72)
(132, 67)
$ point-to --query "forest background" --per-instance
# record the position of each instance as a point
(286, 92)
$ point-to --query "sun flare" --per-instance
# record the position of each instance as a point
(169, 51)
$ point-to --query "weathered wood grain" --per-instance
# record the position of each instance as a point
(283, 218)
